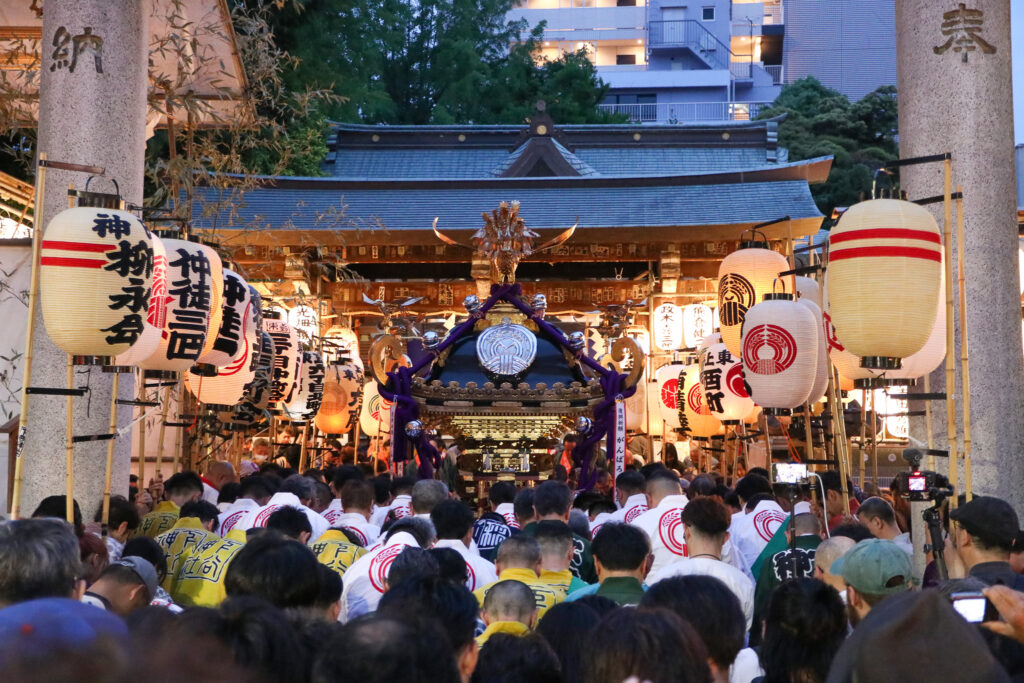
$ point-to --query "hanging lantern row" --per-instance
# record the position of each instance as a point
(744, 277)
(780, 353)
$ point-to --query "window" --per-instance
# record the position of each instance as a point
(625, 59)
(625, 3)
(707, 14)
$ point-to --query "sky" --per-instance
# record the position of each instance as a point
(1017, 41)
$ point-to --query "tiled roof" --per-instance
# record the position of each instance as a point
(367, 164)
(581, 167)
(414, 208)
(629, 161)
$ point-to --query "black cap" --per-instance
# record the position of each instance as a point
(992, 520)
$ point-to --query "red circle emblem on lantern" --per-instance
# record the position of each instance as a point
(668, 394)
(734, 380)
(769, 350)
(696, 400)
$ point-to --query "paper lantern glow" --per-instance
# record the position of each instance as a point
(780, 352)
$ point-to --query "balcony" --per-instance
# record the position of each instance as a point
(598, 22)
(633, 76)
(685, 112)
(775, 71)
(692, 35)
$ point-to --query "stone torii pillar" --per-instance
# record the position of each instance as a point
(954, 95)
(92, 111)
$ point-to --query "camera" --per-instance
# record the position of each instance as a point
(789, 473)
(974, 606)
(919, 485)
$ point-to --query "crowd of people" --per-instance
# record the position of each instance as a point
(341, 574)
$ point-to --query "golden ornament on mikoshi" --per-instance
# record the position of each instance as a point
(96, 271)
(780, 352)
(744, 277)
(885, 261)
(190, 297)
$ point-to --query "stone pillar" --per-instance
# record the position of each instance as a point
(954, 95)
(92, 110)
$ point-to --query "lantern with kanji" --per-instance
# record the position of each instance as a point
(190, 284)
(237, 347)
(694, 417)
(698, 322)
(306, 322)
(780, 353)
(227, 328)
(95, 278)
(287, 361)
(667, 378)
(721, 375)
(339, 408)
(342, 343)
(668, 327)
(885, 259)
(204, 364)
(375, 415)
(252, 407)
(305, 402)
(744, 277)
(156, 312)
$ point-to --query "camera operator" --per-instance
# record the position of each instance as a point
(878, 516)
(984, 531)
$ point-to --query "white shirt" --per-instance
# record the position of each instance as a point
(229, 519)
(353, 521)
(730, 555)
(507, 510)
(481, 572)
(333, 510)
(210, 494)
(746, 667)
(114, 548)
(257, 517)
(753, 532)
(903, 541)
(664, 526)
(738, 582)
(635, 506)
(402, 505)
(363, 583)
(599, 521)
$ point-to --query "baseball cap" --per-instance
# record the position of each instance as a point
(991, 519)
(144, 569)
(41, 625)
(872, 564)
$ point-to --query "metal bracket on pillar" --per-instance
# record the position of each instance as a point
(93, 437)
(142, 404)
(937, 199)
(52, 391)
(804, 270)
(926, 397)
(177, 424)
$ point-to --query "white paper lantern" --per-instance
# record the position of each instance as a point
(343, 388)
(744, 277)
(287, 362)
(698, 322)
(306, 321)
(934, 351)
(375, 416)
(341, 343)
(668, 393)
(721, 375)
(848, 364)
(95, 277)
(224, 339)
(780, 352)
(695, 419)
(668, 327)
(823, 366)
(808, 288)
(216, 308)
(156, 311)
(190, 296)
(309, 390)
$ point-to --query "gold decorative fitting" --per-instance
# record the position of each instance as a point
(378, 361)
(618, 354)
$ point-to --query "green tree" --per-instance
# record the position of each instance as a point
(432, 61)
(860, 135)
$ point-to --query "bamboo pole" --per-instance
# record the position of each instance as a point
(930, 436)
(179, 435)
(33, 295)
(303, 465)
(874, 438)
(142, 437)
(965, 368)
(947, 244)
(110, 454)
(839, 436)
(69, 443)
(808, 437)
(767, 443)
(163, 431)
(861, 466)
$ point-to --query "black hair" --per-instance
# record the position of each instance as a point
(345, 473)
(553, 535)
(760, 471)
(183, 482)
(39, 558)
(567, 627)
(356, 494)
(523, 504)
(602, 505)
(412, 563)
(419, 528)
(652, 645)
(451, 566)
(203, 509)
(400, 485)
(452, 519)
(855, 530)
(274, 568)
(756, 500)
(552, 498)
(707, 516)
(121, 510)
(621, 546)
(381, 490)
(876, 507)
(630, 480)
(506, 658)
(702, 485)
(599, 603)
(501, 492)
(710, 607)
(751, 485)
(228, 492)
(831, 481)
(805, 625)
(452, 605)
(256, 486)
(349, 535)
(148, 549)
(56, 507)
(330, 586)
(652, 467)
(290, 521)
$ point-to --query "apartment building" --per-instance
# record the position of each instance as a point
(713, 60)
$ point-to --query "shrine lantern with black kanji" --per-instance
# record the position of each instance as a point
(251, 410)
(721, 375)
(190, 270)
(668, 327)
(885, 261)
(156, 312)
(780, 353)
(96, 272)
(287, 361)
(695, 419)
(698, 322)
(305, 403)
(667, 378)
(744, 277)
(339, 408)
(341, 344)
(235, 350)
(375, 414)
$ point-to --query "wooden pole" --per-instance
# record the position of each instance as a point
(110, 453)
(163, 431)
(947, 243)
(861, 466)
(874, 440)
(930, 436)
(842, 446)
(965, 368)
(767, 442)
(69, 443)
(179, 434)
(303, 465)
(142, 437)
(33, 295)
(808, 437)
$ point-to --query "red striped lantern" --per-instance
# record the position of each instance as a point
(885, 258)
(744, 277)
(95, 279)
(721, 375)
(780, 353)
(848, 364)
